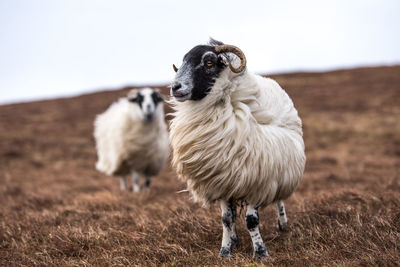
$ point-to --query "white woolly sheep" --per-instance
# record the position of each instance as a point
(236, 137)
(131, 137)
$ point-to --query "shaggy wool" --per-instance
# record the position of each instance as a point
(125, 142)
(242, 141)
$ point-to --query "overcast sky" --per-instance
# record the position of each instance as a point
(51, 48)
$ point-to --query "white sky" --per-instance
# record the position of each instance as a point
(51, 48)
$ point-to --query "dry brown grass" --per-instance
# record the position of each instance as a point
(57, 210)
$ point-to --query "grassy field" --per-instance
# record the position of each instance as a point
(56, 209)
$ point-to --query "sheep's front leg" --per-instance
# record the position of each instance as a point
(123, 184)
(135, 181)
(229, 235)
(283, 224)
(147, 182)
(252, 221)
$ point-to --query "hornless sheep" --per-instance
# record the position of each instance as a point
(236, 137)
(131, 137)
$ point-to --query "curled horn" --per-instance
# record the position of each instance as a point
(235, 50)
(175, 68)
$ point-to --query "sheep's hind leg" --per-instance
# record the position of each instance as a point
(229, 235)
(122, 183)
(252, 221)
(135, 181)
(283, 224)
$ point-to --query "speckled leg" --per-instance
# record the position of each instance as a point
(283, 224)
(135, 182)
(229, 235)
(123, 184)
(252, 221)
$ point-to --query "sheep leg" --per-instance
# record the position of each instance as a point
(147, 182)
(229, 235)
(123, 184)
(135, 182)
(252, 221)
(283, 224)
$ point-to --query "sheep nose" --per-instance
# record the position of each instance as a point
(175, 86)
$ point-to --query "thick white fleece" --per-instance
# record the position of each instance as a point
(243, 140)
(125, 142)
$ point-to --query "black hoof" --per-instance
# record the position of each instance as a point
(260, 252)
(235, 243)
(283, 227)
(225, 253)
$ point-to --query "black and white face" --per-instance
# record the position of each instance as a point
(195, 78)
(148, 100)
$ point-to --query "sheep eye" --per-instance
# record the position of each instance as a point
(209, 63)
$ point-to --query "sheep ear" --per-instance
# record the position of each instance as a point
(133, 99)
(222, 59)
(160, 98)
